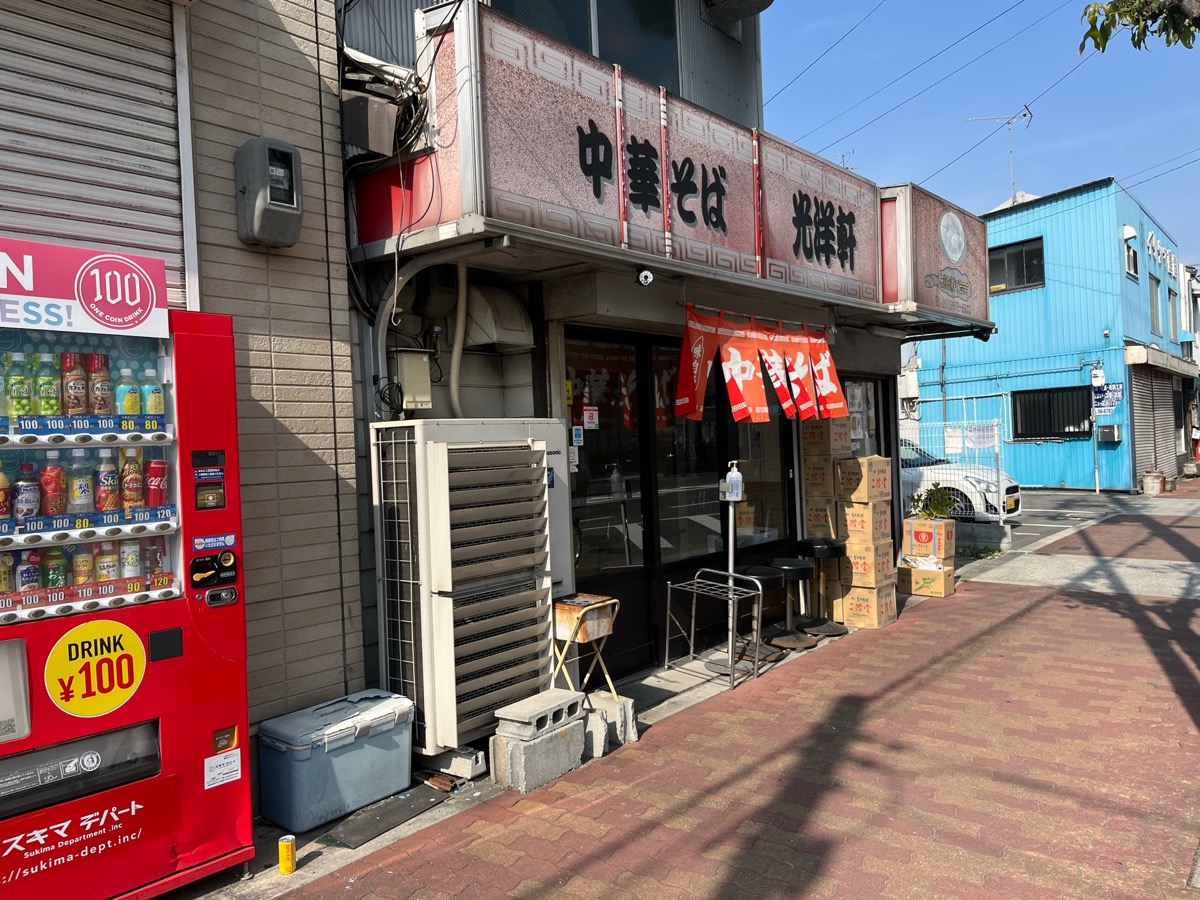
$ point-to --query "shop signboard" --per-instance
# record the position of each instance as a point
(574, 146)
(935, 254)
(1107, 397)
(52, 287)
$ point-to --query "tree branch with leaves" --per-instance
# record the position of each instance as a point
(1175, 21)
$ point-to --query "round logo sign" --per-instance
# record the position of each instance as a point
(953, 236)
(115, 291)
(94, 668)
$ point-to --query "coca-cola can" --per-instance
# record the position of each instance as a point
(156, 482)
(154, 556)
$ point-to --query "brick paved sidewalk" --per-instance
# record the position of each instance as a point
(1005, 742)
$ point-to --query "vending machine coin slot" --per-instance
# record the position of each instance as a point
(220, 568)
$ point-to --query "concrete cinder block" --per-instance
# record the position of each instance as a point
(527, 765)
(622, 719)
(540, 714)
(595, 734)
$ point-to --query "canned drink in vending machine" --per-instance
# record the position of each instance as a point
(131, 558)
(154, 556)
(156, 482)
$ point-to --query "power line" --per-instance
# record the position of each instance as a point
(965, 65)
(1002, 124)
(1165, 161)
(896, 81)
(823, 52)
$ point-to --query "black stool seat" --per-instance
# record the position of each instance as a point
(821, 548)
(794, 569)
(768, 576)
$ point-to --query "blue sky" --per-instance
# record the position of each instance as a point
(1123, 113)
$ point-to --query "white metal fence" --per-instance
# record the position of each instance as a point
(966, 458)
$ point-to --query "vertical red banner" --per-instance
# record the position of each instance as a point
(699, 348)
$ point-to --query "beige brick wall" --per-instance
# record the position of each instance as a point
(269, 67)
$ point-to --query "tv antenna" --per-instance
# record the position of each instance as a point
(1027, 115)
(843, 157)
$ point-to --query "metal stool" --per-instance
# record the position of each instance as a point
(752, 654)
(820, 624)
(794, 571)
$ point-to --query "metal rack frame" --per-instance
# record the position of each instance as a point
(717, 585)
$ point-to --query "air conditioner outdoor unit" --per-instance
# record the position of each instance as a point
(467, 566)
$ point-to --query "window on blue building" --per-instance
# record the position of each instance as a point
(1155, 304)
(1016, 267)
(1173, 314)
(1054, 414)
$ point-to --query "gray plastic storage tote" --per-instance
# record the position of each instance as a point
(329, 760)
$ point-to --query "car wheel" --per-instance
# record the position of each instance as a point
(963, 509)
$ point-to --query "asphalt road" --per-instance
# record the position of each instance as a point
(1047, 513)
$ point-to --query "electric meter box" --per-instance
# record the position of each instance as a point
(1108, 434)
(269, 209)
(329, 760)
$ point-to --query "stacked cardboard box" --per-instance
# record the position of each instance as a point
(824, 441)
(928, 538)
(864, 520)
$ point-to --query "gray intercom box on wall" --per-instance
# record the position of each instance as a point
(269, 186)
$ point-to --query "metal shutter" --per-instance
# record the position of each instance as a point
(1166, 438)
(1143, 421)
(89, 149)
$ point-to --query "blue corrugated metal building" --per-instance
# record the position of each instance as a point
(1083, 282)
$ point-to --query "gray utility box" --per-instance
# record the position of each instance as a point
(329, 760)
(1108, 434)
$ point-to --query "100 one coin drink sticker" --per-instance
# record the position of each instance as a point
(95, 668)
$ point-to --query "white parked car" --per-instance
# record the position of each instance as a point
(977, 496)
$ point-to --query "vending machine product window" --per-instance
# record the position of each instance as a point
(14, 692)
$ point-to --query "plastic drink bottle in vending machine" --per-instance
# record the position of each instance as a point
(53, 479)
(6, 510)
(128, 394)
(156, 482)
(28, 572)
(133, 485)
(27, 494)
(47, 387)
(7, 575)
(83, 564)
(131, 558)
(108, 483)
(100, 388)
(79, 483)
(107, 563)
(54, 568)
(153, 402)
(18, 387)
(74, 385)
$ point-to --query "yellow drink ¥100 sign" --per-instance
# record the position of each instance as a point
(95, 668)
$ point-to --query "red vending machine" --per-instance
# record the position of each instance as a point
(124, 765)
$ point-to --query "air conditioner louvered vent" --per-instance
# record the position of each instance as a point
(464, 575)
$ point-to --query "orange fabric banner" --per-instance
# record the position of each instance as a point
(830, 399)
(699, 348)
(794, 346)
(740, 346)
(774, 356)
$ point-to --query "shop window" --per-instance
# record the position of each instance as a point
(566, 21)
(1155, 311)
(1054, 414)
(1173, 314)
(639, 35)
(1016, 267)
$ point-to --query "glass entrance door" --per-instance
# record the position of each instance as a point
(644, 485)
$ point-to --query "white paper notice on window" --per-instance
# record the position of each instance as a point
(222, 768)
(954, 441)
